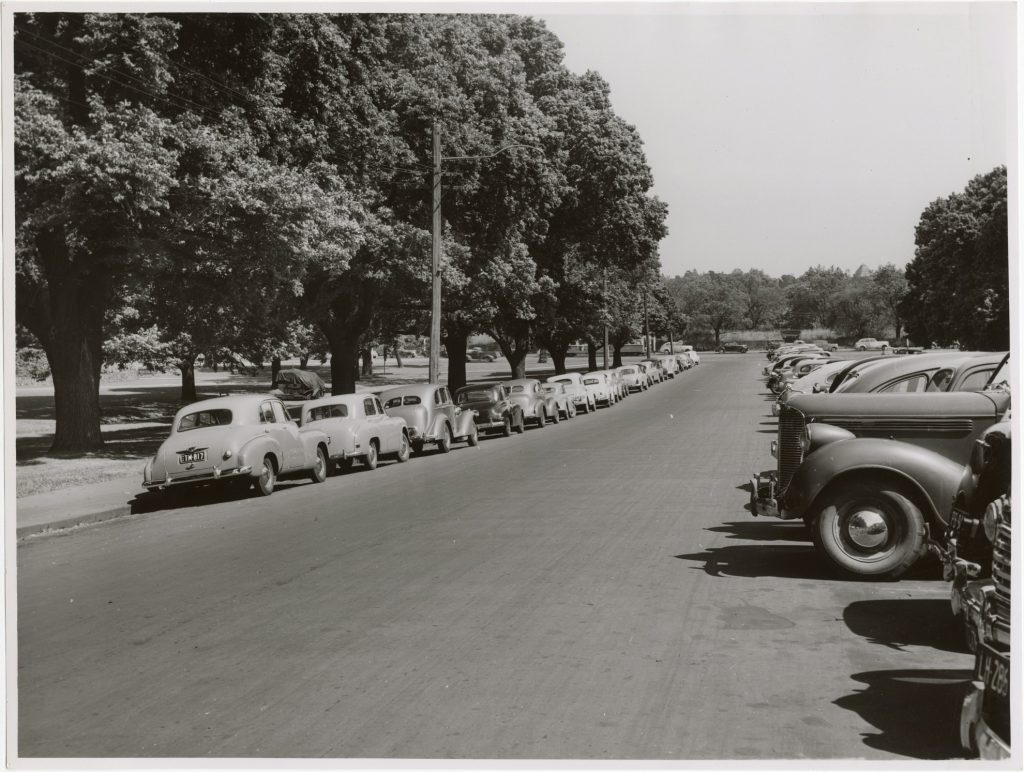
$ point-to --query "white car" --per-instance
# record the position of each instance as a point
(655, 370)
(871, 344)
(357, 427)
(581, 395)
(634, 378)
(599, 385)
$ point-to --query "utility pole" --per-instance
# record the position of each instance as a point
(605, 295)
(647, 329)
(434, 367)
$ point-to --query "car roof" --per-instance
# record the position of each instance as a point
(336, 399)
(520, 382)
(880, 371)
(233, 402)
(571, 376)
(412, 389)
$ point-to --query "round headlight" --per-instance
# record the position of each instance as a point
(227, 454)
(993, 519)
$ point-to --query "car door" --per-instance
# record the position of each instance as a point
(291, 438)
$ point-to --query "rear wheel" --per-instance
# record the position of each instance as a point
(557, 416)
(506, 427)
(372, 456)
(319, 471)
(521, 424)
(873, 530)
(268, 476)
(445, 443)
(542, 419)
(473, 439)
(403, 451)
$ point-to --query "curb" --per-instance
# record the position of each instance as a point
(71, 521)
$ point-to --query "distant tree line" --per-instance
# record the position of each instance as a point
(954, 291)
(256, 185)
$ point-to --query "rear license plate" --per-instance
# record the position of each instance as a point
(191, 458)
(993, 669)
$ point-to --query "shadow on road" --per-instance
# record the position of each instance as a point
(906, 622)
(764, 530)
(785, 562)
(917, 712)
(185, 498)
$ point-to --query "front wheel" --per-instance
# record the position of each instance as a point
(542, 418)
(521, 425)
(371, 457)
(403, 451)
(319, 471)
(268, 475)
(870, 530)
(557, 416)
(473, 439)
(445, 443)
(506, 427)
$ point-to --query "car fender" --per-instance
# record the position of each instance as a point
(252, 452)
(464, 424)
(932, 476)
(437, 426)
(310, 441)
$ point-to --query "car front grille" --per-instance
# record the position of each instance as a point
(1001, 580)
(790, 452)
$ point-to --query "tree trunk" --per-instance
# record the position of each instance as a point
(517, 363)
(367, 357)
(344, 364)
(303, 361)
(75, 394)
(558, 354)
(456, 342)
(591, 355)
(188, 380)
(275, 369)
(617, 356)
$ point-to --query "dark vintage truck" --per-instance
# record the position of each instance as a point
(874, 475)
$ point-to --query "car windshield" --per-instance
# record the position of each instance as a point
(517, 389)
(399, 401)
(204, 418)
(563, 380)
(1001, 377)
(474, 396)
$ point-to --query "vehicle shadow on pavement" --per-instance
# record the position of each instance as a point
(764, 530)
(902, 622)
(917, 712)
(757, 560)
(157, 501)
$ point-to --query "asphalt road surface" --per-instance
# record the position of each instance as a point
(593, 590)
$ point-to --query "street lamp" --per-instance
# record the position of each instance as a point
(435, 251)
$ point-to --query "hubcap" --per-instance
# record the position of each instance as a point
(868, 529)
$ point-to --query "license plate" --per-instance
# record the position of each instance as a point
(993, 669)
(191, 458)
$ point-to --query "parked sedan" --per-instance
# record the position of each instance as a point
(476, 355)
(573, 383)
(871, 344)
(240, 440)
(537, 406)
(563, 401)
(431, 415)
(599, 385)
(654, 370)
(634, 378)
(357, 427)
(737, 348)
(493, 407)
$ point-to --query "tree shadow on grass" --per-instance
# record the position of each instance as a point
(124, 443)
(917, 712)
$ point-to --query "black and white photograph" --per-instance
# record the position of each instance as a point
(511, 385)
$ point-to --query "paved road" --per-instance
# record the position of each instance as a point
(591, 590)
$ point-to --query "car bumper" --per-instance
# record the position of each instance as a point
(764, 498)
(486, 424)
(974, 732)
(202, 477)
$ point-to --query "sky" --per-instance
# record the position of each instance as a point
(784, 136)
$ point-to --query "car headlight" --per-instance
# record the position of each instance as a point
(805, 440)
(993, 519)
(227, 454)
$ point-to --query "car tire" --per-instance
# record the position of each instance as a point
(322, 466)
(473, 439)
(403, 451)
(557, 417)
(870, 530)
(521, 426)
(862, 348)
(372, 456)
(268, 476)
(445, 443)
(506, 427)
(542, 419)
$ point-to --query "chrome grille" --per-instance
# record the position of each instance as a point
(1001, 579)
(791, 454)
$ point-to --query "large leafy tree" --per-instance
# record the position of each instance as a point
(890, 286)
(958, 281)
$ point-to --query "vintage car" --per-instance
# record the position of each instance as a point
(824, 345)
(817, 380)
(654, 370)
(669, 364)
(621, 390)
(693, 356)
(493, 408)
(985, 713)
(430, 415)
(873, 474)
(945, 371)
(786, 359)
(634, 378)
(581, 396)
(537, 406)
(476, 355)
(299, 384)
(239, 440)
(357, 428)
(600, 387)
(563, 401)
(871, 344)
(732, 346)
(779, 380)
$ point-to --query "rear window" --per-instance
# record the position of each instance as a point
(399, 401)
(517, 389)
(628, 371)
(204, 418)
(591, 380)
(474, 396)
(327, 411)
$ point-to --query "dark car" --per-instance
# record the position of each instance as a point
(476, 355)
(495, 411)
(738, 348)
(872, 475)
(299, 384)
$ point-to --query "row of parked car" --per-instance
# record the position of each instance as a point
(888, 458)
(250, 441)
